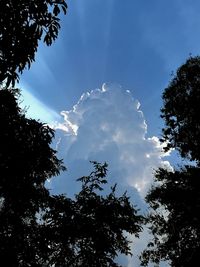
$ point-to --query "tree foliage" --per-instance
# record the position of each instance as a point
(181, 110)
(22, 24)
(26, 162)
(175, 220)
(90, 230)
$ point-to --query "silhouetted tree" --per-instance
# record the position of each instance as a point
(22, 24)
(174, 219)
(181, 110)
(26, 162)
(92, 229)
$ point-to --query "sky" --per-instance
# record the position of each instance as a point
(100, 86)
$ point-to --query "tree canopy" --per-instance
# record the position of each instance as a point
(181, 110)
(22, 24)
(175, 219)
(174, 199)
(91, 229)
(26, 162)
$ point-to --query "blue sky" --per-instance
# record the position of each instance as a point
(134, 43)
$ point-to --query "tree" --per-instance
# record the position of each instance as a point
(26, 162)
(181, 110)
(26, 158)
(90, 230)
(22, 24)
(175, 219)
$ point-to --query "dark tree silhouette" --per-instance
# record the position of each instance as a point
(181, 110)
(175, 198)
(91, 229)
(22, 24)
(175, 222)
(26, 161)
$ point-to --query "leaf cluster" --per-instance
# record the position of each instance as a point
(181, 110)
(175, 219)
(22, 25)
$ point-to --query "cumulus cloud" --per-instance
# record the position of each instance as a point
(107, 124)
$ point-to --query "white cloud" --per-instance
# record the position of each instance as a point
(107, 124)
